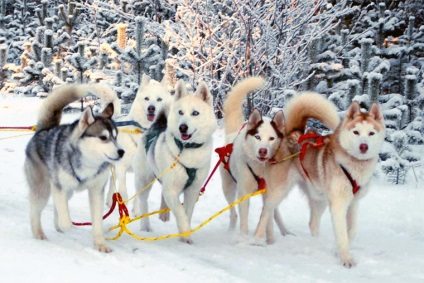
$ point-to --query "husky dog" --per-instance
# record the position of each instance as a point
(61, 159)
(254, 147)
(150, 100)
(337, 172)
(185, 134)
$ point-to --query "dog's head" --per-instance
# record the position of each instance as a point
(362, 134)
(152, 98)
(263, 136)
(95, 136)
(192, 118)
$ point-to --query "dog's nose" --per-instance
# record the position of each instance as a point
(263, 152)
(363, 147)
(121, 152)
(183, 128)
(151, 109)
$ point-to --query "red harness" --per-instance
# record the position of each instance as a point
(320, 142)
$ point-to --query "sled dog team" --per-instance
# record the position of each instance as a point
(333, 170)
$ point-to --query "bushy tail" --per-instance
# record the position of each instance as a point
(310, 105)
(233, 110)
(51, 110)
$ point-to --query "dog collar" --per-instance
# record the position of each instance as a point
(181, 145)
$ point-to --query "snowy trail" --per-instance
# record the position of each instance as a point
(389, 246)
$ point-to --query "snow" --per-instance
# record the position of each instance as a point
(389, 246)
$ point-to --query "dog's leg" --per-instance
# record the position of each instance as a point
(280, 223)
(230, 192)
(165, 216)
(338, 208)
(62, 219)
(352, 212)
(38, 197)
(95, 195)
(317, 208)
(270, 229)
(143, 206)
(110, 192)
(171, 195)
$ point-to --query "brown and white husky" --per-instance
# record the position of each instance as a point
(335, 169)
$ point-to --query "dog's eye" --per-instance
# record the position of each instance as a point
(159, 99)
(181, 112)
(195, 113)
(271, 138)
(371, 133)
(146, 98)
(257, 137)
(356, 133)
(103, 138)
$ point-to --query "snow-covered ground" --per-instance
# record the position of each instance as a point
(389, 246)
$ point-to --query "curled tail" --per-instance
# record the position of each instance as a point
(233, 110)
(310, 105)
(51, 109)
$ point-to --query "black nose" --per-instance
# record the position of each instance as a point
(121, 152)
(151, 109)
(183, 128)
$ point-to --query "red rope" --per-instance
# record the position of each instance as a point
(305, 145)
(115, 197)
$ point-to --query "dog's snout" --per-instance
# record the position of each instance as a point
(151, 109)
(363, 147)
(263, 152)
(183, 128)
(121, 152)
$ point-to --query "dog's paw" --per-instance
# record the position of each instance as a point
(186, 240)
(256, 241)
(64, 226)
(40, 236)
(146, 228)
(165, 217)
(348, 262)
(101, 247)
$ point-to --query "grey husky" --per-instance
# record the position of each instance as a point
(64, 158)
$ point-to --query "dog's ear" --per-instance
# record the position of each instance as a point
(108, 112)
(87, 118)
(144, 80)
(353, 110)
(375, 112)
(180, 90)
(165, 81)
(278, 122)
(203, 93)
(254, 119)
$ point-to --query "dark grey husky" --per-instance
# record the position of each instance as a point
(61, 159)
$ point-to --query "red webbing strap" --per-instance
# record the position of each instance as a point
(319, 142)
(224, 156)
(112, 207)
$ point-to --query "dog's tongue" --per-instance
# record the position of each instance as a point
(150, 117)
(185, 136)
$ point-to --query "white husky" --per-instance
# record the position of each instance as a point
(254, 147)
(150, 100)
(185, 133)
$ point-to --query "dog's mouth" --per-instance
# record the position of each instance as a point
(151, 117)
(185, 137)
(113, 159)
(262, 159)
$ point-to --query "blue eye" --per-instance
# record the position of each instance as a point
(257, 137)
(159, 99)
(146, 98)
(195, 113)
(181, 112)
